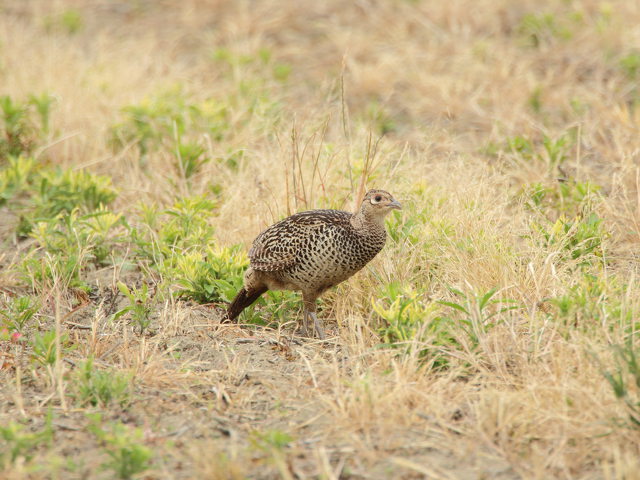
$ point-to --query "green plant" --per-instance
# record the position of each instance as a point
(19, 130)
(127, 456)
(52, 192)
(535, 100)
(40, 272)
(92, 237)
(536, 29)
(16, 133)
(625, 379)
(478, 311)
(403, 313)
(570, 197)
(183, 227)
(279, 305)
(18, 312)
(411, 324)
(271, 439)
(16, 443)
(15, 177)
(101, 387)
(105, 230)
(70, 225)
(163, 122)
(577, 238)
(273, 443)
(140, 305)
(551, 151)
(191, 157)
(282, 71)
(45, 347)
(378, 117)
(593, 302)
(210, 276)
(42, 104)
(68, 21)
(64, 190)
(630, 65)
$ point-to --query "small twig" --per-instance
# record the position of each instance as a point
(79, 326)
(66, 427)
(179, 431)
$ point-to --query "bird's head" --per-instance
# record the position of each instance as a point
(377, 204)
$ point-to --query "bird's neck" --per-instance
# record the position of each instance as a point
(365, 222)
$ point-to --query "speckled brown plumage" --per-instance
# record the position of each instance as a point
(313, 251)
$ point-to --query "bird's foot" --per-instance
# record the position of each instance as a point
(304, 331)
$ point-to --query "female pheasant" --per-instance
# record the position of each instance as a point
(313, 251)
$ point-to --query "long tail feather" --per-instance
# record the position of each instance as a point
(243, 299)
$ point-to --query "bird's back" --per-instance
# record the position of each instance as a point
(315, 249)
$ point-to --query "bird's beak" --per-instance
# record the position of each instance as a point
(395, 204)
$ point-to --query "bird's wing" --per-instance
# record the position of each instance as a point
(279, 246)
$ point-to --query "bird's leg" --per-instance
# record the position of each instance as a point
(317, 326)
(305, 323)
(309, 301)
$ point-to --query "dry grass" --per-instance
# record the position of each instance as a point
(307, 89)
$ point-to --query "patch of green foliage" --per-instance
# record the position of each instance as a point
(551, 151)
(128, 457)
(41, 272)
(535, 100)
(212, 275)
(38, 194)
(408, 321)
(630, 65)
(593, 302)
(625, 379)
(62, 191)
(413, 324)
(16, 313)
(273, 443)
(279, 306)
(579, 238)
(45, 347)
(379, 118)
(101, 388)
(141, 302)
(538, 29)
(16, 176)
(16, 443)
(175, 123)
(179, 243)
(261, 63)
(566, 207)
(161, 235)
(65, 212)
(96, 234)
(569, 197)
(271, 439)
(23, 124)
(68, 21)
(68, 243)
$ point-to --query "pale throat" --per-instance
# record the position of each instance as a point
(365, 219)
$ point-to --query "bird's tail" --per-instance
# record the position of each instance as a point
(243, 299)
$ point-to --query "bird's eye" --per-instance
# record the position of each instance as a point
(376, 199)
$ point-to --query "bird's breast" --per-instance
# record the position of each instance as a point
(331, 259)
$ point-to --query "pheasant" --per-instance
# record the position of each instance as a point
(313, 251)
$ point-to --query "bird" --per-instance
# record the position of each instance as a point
(313, 251)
